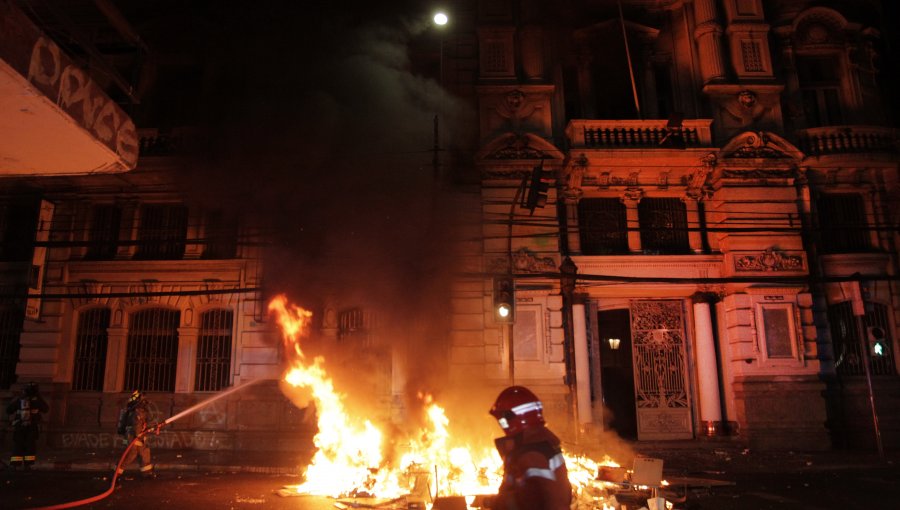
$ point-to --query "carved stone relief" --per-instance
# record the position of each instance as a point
(769, 260)
(523, 261)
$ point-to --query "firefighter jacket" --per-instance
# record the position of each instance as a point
(534, 472)
(26, 411)
(133, 420)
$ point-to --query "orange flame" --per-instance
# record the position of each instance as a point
(350, 457)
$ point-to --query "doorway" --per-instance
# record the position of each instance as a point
(616, 372)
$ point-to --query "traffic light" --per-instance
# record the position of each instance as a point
(537, 189)
(877, 341)
(504, 300)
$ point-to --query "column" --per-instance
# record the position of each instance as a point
(186, 366)
(695, 239)
(582, 365)
(707, 367)
(114, 373)
(633, 224)
(708, 34)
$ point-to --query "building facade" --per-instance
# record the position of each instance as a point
(717, 250)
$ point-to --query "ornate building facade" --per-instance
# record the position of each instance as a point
(717, 252)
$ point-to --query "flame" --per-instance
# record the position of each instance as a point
(352, 458)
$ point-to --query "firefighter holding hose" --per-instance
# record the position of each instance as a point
(534, 470)
(134, 426)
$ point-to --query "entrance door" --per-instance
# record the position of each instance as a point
(616, 373)
(660, 370)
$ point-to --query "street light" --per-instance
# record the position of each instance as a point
(440, 18)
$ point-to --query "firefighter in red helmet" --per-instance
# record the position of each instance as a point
(535, 475)
(134, 426)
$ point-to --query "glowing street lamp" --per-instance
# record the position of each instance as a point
(441, 19)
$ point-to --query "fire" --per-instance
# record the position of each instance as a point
(352, 458)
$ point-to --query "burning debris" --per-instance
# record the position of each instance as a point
(423, 468)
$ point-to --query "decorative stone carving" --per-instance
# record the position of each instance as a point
(524, 261)
(517, 148)
(573, 177)
(761, 144)
(769, 260)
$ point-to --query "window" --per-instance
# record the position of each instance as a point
(152, 352)
(602, 226)
(221, 236)
(358, 323)
(162, 232)
(11, 318)
(820, 89)
(90, 350)
(848, 356)
(18, 223)
(214, 351)
(778, 329)
(842, 223)
(104, 234)
(526, 335)
(663, 224)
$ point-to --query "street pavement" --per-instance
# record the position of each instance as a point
(702, 477)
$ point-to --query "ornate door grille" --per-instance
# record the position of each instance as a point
(660, 370)
(152, 352)
(90, 350)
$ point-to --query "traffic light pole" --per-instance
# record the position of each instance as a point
(859, 312)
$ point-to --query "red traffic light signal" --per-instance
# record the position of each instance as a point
(537, 189)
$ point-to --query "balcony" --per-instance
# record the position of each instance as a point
(54, 119)
(636, 134)
(824, 141)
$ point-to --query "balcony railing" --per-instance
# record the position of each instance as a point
(638, 134)
(847, 140)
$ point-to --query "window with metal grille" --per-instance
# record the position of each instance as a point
(152, 352)
(90, 350)
(356, 323)
(162, 232)
(848, 356)
(18, 223)
(11, 318)
(663, 224)
(214, 351)
(221, 236)
(104, 233)
(842, 223)
(602, 226)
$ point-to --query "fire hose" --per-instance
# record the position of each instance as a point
(150, 429)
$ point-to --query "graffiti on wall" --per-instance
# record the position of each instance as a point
(188, 440)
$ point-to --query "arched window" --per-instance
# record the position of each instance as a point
(214, 351)
(10, 329)
(90, 350)
(152, 353)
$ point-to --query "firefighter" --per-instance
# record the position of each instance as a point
(26, 412)
(534, 470)
(134, 425)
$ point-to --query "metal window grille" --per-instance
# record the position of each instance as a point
(162, 232)
(752, 57)
(214, 351)
(602, 226)
(663, 224)
(356, 323)
(10, 329)
(152, 352)
(90, 350)
(221, 236)
(842, 223)
(104, 234)
(845, 340)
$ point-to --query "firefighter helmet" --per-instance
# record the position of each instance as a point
(518, 409)
(136, 396)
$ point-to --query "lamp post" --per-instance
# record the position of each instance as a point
(440, 20)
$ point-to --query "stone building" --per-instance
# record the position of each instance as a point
(719, 177)
(692, 204)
